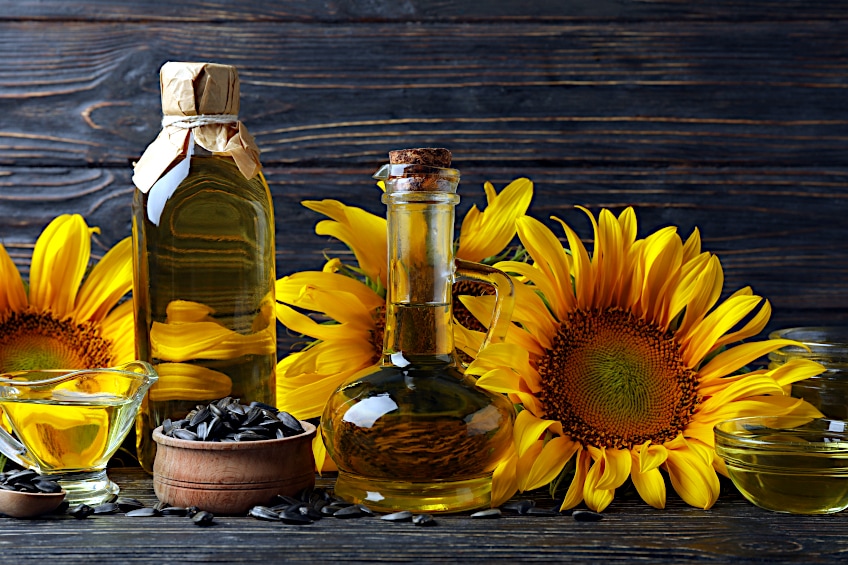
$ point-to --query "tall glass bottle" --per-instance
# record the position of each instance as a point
(415, 433)
(203, 237)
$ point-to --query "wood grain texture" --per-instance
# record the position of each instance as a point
(631, 532)
(421, 10)
(728, 116)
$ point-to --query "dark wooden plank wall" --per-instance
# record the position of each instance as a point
(730, 116)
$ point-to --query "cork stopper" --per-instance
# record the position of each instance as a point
(193, 89)
(429, 156)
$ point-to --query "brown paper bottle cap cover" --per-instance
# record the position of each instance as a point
(200, 99)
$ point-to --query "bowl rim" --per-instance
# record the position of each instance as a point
(724, 439)
(309, 431)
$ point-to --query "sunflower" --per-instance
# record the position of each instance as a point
(353, 299)
(64, 319)
(621, 363)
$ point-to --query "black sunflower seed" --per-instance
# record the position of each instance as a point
(45, 485)
(423, 520)
(402, 516)
(488, 513)
(80, 511)
(173, 511)
(295, 518)
(106, 508)
(126, 504)
(142, 513)
(264, 513)
(587, 516)
(348, 512)
(203, 518)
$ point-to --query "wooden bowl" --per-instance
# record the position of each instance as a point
(29, 504)
(230, 478)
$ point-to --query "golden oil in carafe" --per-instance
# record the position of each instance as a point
(439, 432)
(212, 255)
(69, 435)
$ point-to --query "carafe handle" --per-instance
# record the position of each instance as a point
(504, 296)
(14, 450)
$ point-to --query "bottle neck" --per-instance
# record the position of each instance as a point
(420, 276)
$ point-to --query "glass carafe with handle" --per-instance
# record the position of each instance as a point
(415, 433)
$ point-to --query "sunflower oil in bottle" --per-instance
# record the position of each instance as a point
(415, 433)
(204, 276)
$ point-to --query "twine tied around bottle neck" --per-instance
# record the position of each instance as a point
(191, 122)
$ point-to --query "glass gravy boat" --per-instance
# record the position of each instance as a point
(69, 423)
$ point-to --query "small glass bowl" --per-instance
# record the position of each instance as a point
(788, 464)
(827, 345)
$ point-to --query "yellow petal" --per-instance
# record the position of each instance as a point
(333, 357)
(796, 370)
(574, 495)
(581, 266)
(754, 326)
(694, 480)
(737, 357)
(550, 461)
(703, 337)
(549, 256)
(289, 289)
(362, 231)
(529, 308)
(305, 325)
(308, 401)
(119, 328)
(525, 464)
(485, 234)
(504, 479)
(323, 463)
(206, 340)
(59, 261)
(614, 468)
(183, 381)
(527, 430)
(109, 280)
(12, 293)
(649, 482)
(340, 306)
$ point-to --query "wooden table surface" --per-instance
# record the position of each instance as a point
(728, 115)
(732, 531)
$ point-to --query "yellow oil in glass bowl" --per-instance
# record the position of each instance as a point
(827, 345)
(786, 463)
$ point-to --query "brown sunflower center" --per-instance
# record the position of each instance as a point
(615, 380)
(32, 340)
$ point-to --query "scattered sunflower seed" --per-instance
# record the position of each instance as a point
(587, 516)
(264, 513)
(106, 508)
(142, 513)
(80, 511)
(402, 516)
(423, 520)
(349, 512)
(488, 513)
(203, 518)
(126, 504)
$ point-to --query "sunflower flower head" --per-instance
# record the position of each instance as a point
(66, 317)
(623, 360)
(341, 309)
